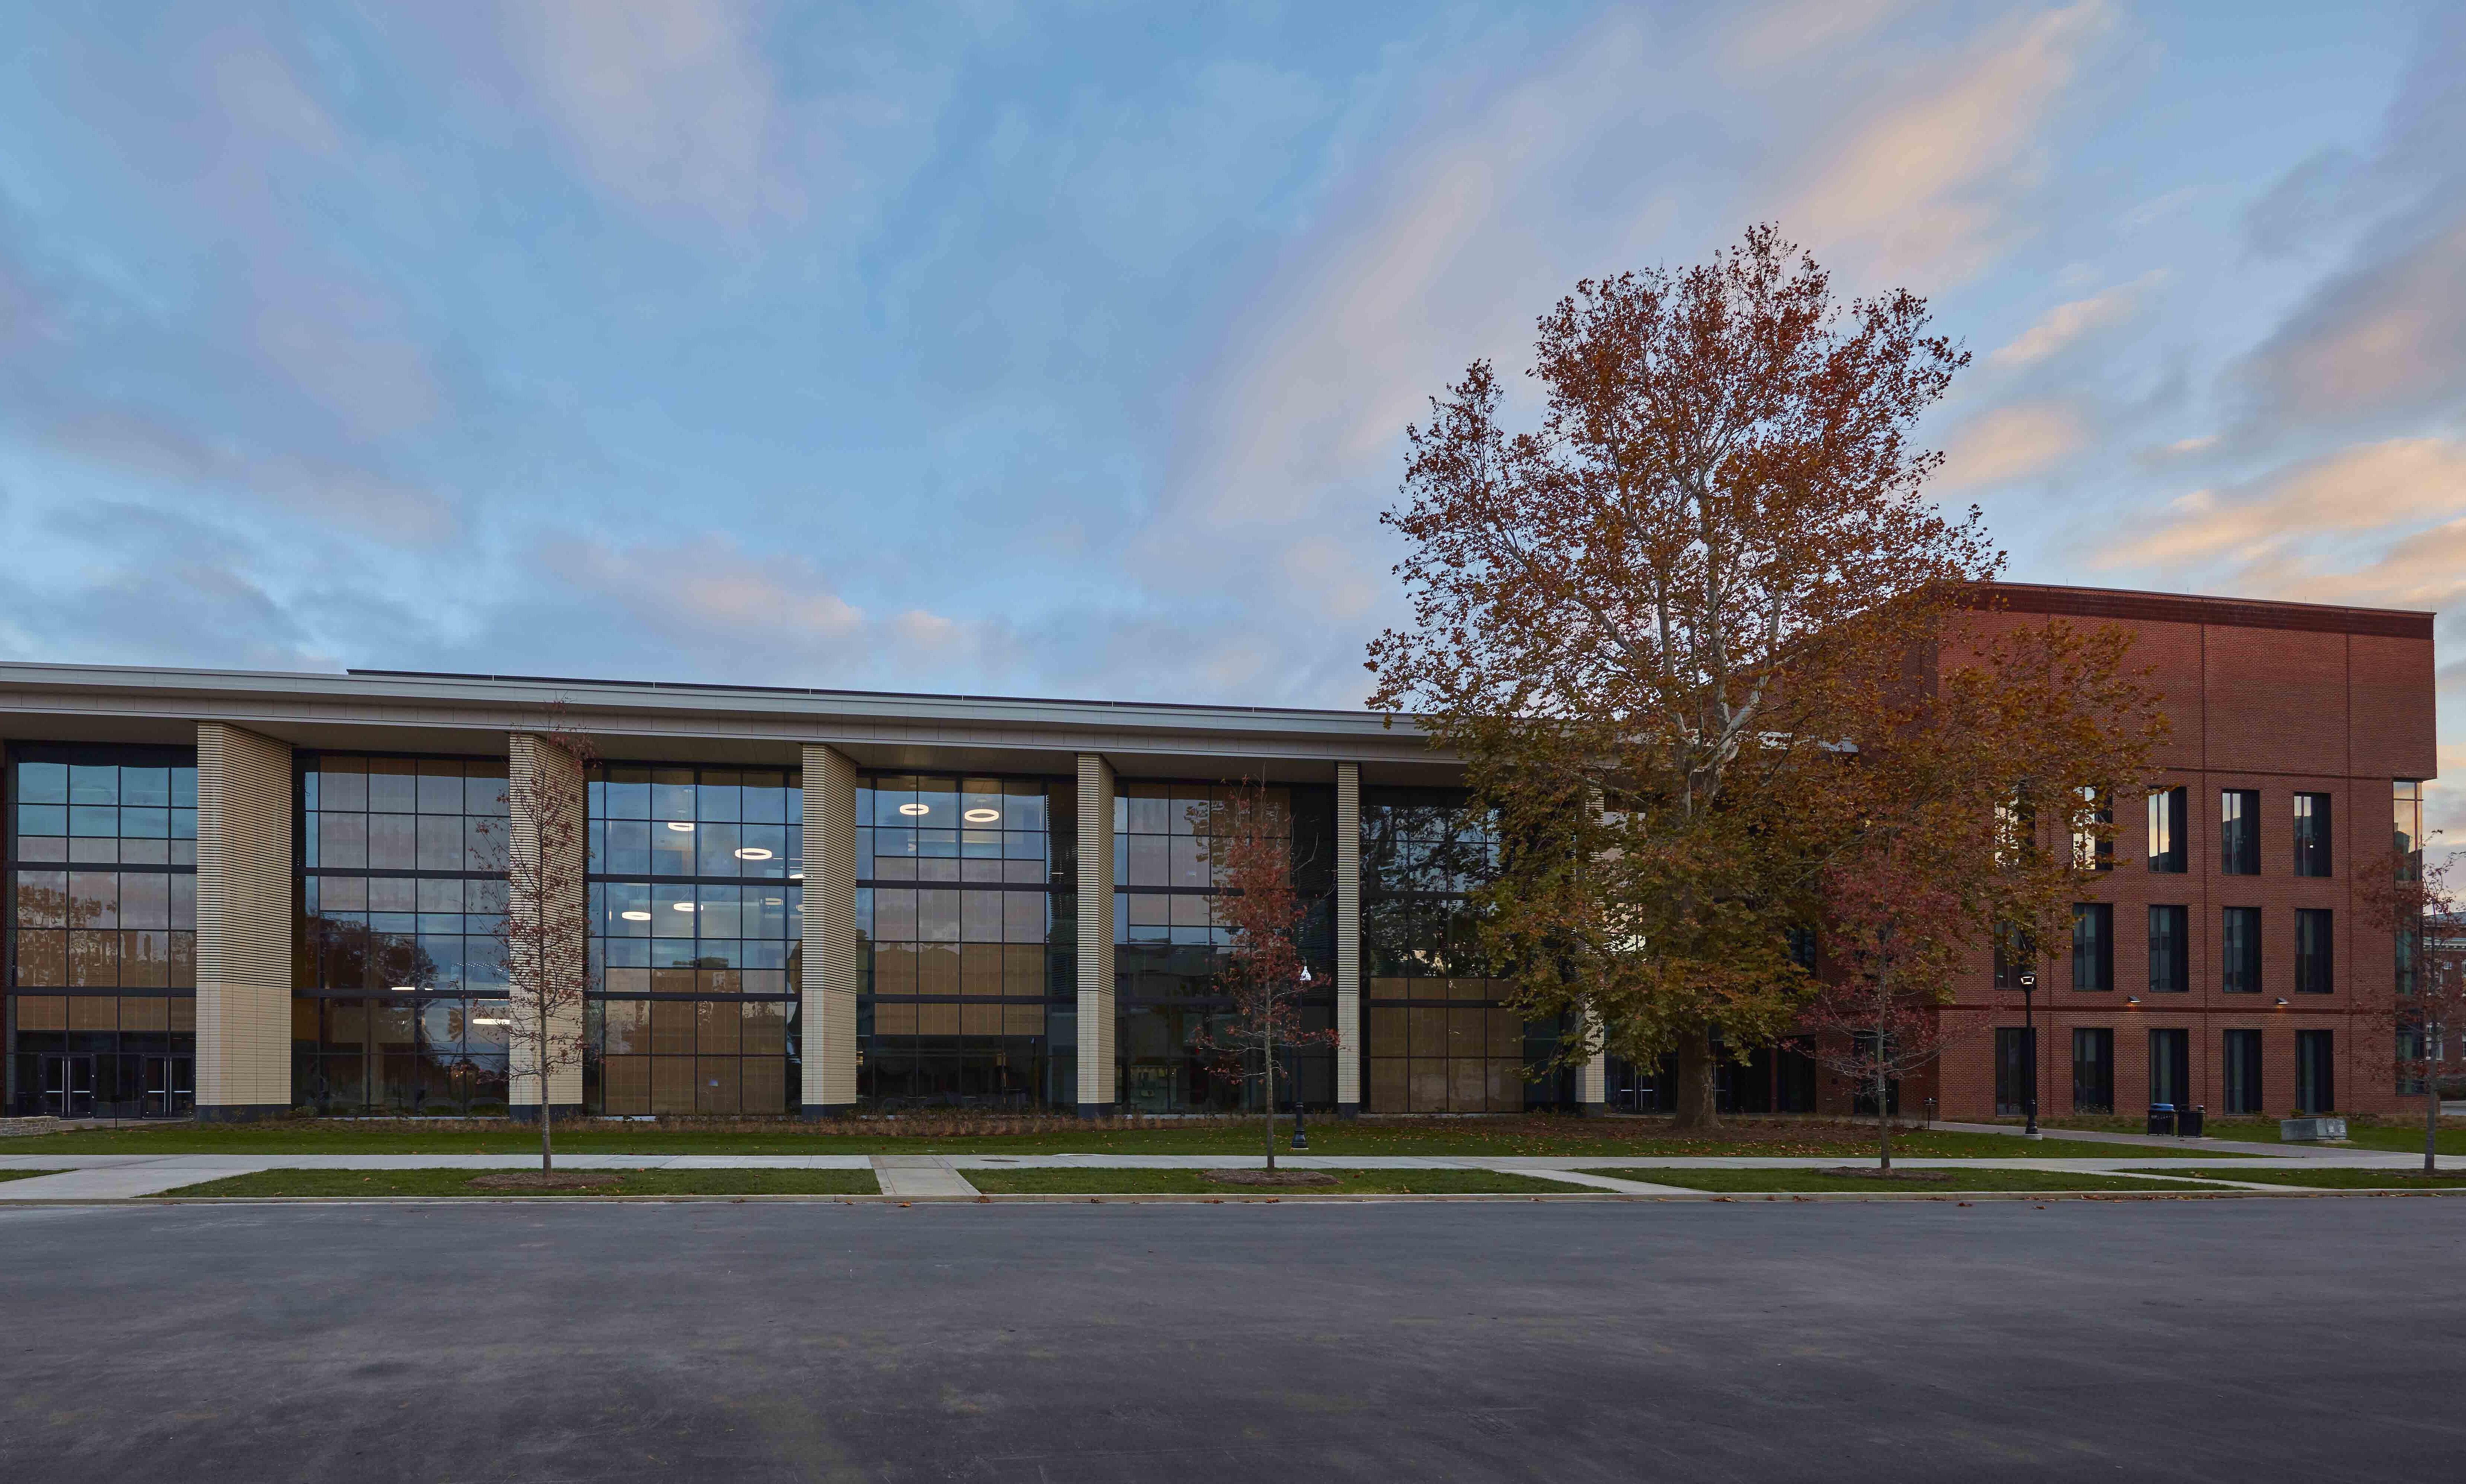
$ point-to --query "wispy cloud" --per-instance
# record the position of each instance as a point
(2068, 324)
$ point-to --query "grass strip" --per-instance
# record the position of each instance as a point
(1571, 1137)
(1793, 1182)
(28, 1174)
(1097, 1181)
(2335, 1178)
(458, 1183)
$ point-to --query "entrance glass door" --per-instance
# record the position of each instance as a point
(168, 1093)
(68, 1087)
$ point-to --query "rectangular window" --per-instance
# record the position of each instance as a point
(2092, 946)
(2015, 957)
(2093, 1071)
(2170, 1068)
(2015, 1074)
(2311, 833)
(2243, 1071)
(2169, 811)
(2407, 816)
(2316, 1071)
(2171, 956)
(2239, 950)
(2239, 831)
(2094, 837)
(2313, 946)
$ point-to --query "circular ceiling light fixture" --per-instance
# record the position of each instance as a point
(982, 815)
(681, 826)
(753, 853)
(795, 875)
(483, 1020)
(770, 901)
(913, 810)
(406, 989)
(634, 917)
(683, 907)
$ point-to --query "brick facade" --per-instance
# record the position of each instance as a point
(2280, 699)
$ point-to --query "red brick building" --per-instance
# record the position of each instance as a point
(2226, 960)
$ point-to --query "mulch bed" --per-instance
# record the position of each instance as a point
(1870, 1171)
(547, 1179)
(1271, 1177)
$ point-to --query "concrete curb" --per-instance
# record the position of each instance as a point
(1165, 1197)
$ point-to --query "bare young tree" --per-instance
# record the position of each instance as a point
(545, 932)
(1250, 842)
(2424, 909)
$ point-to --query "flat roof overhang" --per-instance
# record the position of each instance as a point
(719, 725)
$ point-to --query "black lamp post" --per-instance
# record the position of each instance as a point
(2030, 1041)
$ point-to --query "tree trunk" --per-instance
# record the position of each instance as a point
(1270, 1059)
(1883, 1123)
(2432, 1097)
(548, 1117)
(1695, 1106)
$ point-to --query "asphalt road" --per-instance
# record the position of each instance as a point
(2228, 1340)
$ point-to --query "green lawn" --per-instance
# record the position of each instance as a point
(1194, 1183)
(1791, 1181)
(25, 1174)
(2332, 1178)
(458, 1183)
(1594, 1138)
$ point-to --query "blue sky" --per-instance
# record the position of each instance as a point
(1066, 348)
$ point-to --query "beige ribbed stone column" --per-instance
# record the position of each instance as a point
(1348, 940)
(1592, 1082)
(245, 892)
(834, 961)
(536, 765)
(1095, 1066)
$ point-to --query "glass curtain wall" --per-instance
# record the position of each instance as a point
(1440, 1038)
(398, 997)
(970, 918)
(103, 861)
(697, 910)
(1170, 944)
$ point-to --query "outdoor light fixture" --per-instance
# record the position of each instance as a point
(2132, 1000)
(915, 809)
(2281, 1001)
(753, 853)
(982, 815)
(681, 826)
(634, 917)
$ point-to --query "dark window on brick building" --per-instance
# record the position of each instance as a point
(2169, 829)
(2015, 1071)
(2311, 833)
(2170, 1068)
(2239, 831)
(2239, 950)
(2092, 946)
(2094, 848)
(2014, 956)
(2315, 943)
(2170, 950)
(2316, 1071)
(2243, 1071)
(2092, 1072)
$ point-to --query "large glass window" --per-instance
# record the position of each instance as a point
(2092, 946)
(2170, 1068)
(969, 921)
(2015, 1077)
(2093, 1070)
(2316, 1071)
(1170, 945)
(2239, 950)
(2239, 831)
(1441, 1037)
(2311, 833)
(2170, 950)
(2407, 816)
(2314, 951)
(2243, 1085)
(398, 975)
(697, 912)
(103, 852)
(2169, 811)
